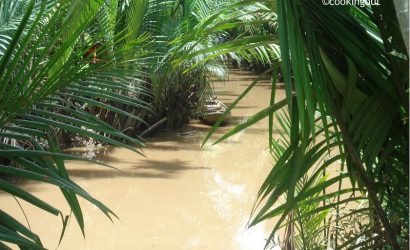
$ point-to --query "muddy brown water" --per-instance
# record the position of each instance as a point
(181, 196)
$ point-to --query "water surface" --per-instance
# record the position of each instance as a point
(181, 196)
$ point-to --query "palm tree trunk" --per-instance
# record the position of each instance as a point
(402, 11)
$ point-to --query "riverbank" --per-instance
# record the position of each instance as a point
(181, 196)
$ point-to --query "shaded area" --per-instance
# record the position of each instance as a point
(146, 169)
(181, 196)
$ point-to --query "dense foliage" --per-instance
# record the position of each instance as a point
(342, 161)
(101, 70)
(108, 69)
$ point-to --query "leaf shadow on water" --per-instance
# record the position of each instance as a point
(145, 169)
(26, 185)
(248, 78)
(242, 106)
(225, 93)
(151, 169)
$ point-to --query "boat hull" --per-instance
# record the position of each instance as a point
(212, 117)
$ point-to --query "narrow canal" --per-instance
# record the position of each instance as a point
(181, 196)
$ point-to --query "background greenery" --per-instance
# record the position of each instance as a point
(341, 160)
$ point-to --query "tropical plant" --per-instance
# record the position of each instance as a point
(346, 77)
(176, 25)
(176, 28)
(235, 29)
(87, 69)
(47, 84)
(303, 228)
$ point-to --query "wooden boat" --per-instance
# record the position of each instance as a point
(213, 111)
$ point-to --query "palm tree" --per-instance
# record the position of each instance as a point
(76, 66)
(47, 84)
(347, 105)
(93, 69)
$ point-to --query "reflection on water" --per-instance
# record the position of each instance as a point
(181, 196)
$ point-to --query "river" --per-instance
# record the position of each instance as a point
(181, 196)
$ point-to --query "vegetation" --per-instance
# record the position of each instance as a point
(346, 76)
(47, 85)
(102, 70)
(108, 69)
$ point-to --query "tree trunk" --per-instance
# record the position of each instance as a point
(402, 11)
